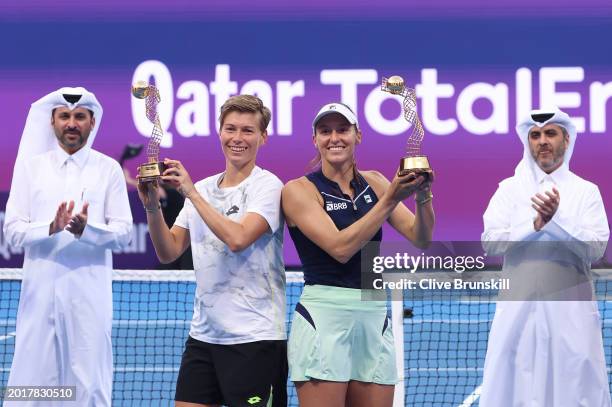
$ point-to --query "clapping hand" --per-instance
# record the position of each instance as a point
(78, 222)
(62, 217)
(546, 206)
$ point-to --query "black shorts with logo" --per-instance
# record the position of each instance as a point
(241, 375)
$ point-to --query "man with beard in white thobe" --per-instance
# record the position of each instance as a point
(550, 225)
(68, 208)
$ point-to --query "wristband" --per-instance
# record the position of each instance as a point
(152, 210)
(424, 200)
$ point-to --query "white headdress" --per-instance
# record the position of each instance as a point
(526, 168)
(38, 136)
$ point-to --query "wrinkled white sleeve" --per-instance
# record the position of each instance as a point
(265, 201)
(19, 230)
(503, 224)
(182, 220)
(589, 225)
(116, 233)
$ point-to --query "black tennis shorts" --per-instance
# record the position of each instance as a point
(241, 375)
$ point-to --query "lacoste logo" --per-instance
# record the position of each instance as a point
(233, 209)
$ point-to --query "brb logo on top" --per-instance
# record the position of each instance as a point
(334, 206)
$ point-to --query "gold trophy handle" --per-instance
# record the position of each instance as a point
(414, 161)
(153, 169)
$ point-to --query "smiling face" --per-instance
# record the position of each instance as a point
(241, 137)
(72, 127)
(547, 145)
(336, 138)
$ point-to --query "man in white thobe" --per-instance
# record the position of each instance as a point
(550, 225)
(68, 208)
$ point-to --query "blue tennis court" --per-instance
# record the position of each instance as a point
(444, 342)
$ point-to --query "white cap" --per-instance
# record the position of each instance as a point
(339, 108)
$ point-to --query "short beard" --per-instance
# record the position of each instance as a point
(78, 144)
(557, 160)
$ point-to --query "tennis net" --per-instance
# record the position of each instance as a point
(443, 342)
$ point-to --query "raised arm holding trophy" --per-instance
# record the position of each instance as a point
(414, 161)
(236, 353)
(153, 169)
(332, 213)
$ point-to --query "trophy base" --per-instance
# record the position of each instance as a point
(417, 163)
(151, 171)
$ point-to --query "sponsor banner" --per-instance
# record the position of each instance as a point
(474, 78)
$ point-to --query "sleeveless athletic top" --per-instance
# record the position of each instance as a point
(318, 266)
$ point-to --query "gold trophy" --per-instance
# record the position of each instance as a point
(152, 170)
(414, 161)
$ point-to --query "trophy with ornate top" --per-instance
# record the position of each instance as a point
(152, 170)
(414, 161)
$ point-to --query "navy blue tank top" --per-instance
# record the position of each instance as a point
(318, 266)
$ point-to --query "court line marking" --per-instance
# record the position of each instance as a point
(469, 400)
(8, 336)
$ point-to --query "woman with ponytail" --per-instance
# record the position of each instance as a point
(341, 350)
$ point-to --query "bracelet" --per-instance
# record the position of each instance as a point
(425, 200)
(152, 210)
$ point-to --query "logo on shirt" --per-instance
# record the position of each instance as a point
(367, 198)
(232, 210)
(254, 400)
(334, 206)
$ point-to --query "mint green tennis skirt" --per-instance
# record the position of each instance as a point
(337, 336)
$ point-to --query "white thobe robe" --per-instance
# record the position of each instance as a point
(65, 309)
(546, 353)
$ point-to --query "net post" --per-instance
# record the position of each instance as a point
(397, 323)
